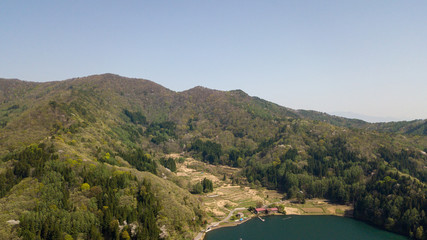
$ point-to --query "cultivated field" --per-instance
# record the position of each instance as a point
(227, 196)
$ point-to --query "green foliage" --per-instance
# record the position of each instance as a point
(68, 237)
(7, 181)
(281, 209)
(169, 163)
(336, 156)
(85, 187)
(415, 127)
(53, 104)
(300, 197)
(235, 158)
(3, 123)
(21, 169)
(209, 151)
(128, 133)
(54, 215)
(266, 144)
(405, 161)
(291, 154)
(33, 156)
(332, 172)
(207, 185)
(140, 160)
(161, 132)
(203, 186)
(147, 209)
(197, 188)
(393, 201)
(302, 153)
(125, 235)
(389, 199)
(135, 117)
(419, 233)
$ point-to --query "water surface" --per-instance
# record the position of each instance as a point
(302, 227)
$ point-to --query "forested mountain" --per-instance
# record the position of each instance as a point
(415, 127)
(87, 150)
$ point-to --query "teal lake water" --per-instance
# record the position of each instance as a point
(301, 228)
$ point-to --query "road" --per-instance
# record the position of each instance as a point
(200, 234)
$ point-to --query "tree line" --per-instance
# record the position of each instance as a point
(380, 194)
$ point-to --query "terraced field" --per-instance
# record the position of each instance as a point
(227, 196)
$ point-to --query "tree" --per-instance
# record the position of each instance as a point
(300, 197)
(114, 229)
(21, 169)
(85, 186)
(389, 223)
(94, 234)
(281, 209)
(207, 185)
(169, 163)
(197, 188)
(419, 233)
(125, 235)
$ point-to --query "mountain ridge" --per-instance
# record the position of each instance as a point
(198, 90)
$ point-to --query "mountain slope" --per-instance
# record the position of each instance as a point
(124, 126)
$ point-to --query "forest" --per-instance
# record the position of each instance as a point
(102, 216)
(380, 195)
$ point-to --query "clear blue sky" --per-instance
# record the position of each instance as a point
(366, 57)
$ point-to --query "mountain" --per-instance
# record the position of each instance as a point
(415, 127)
(367, 118)
(89, 150)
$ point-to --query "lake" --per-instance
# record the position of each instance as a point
(302, 227)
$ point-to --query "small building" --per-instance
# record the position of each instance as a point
(272, 210)
(260, 210)
(240, 215)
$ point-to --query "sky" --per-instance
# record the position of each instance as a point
(360, 58)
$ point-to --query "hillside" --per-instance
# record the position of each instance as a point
(415, 127)
(112, 132)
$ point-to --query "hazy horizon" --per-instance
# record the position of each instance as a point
(361, 57)
(366, 118)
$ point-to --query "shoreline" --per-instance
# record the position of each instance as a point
(295, 215)
(234, 224)
(313, 207)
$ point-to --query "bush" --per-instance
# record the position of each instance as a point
(169, 163)
(85, 186)
(197, 188)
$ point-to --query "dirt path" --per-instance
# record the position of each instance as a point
(209, 227)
